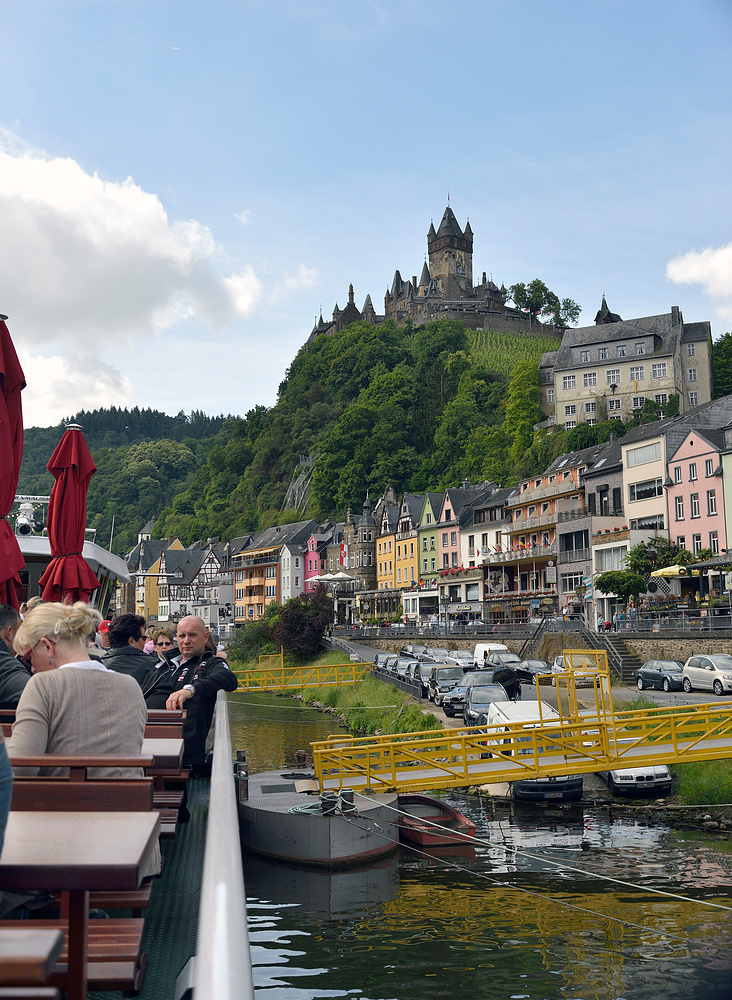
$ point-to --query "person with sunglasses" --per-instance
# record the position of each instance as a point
(127, 639)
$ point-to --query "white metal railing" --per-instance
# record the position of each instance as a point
(223, 968)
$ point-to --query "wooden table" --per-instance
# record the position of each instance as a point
(27, 956)
(167, 755)
(69, 852)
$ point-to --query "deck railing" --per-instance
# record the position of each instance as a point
(223, 968)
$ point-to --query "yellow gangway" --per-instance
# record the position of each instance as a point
(272, 675)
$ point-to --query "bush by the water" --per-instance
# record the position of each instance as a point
(371, 707)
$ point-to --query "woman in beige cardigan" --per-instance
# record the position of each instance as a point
(73, 704)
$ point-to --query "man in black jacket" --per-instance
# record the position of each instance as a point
(189, 678)
(13, 674)
(126, 640)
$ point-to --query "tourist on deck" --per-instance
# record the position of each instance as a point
(126, 639)
(163, 641)
(103, 633)
(73, 704)
(189, 678)
(14, 675)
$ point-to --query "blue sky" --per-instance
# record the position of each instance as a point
(184, 184)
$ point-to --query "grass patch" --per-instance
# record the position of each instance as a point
(371, 707)
(704, 782)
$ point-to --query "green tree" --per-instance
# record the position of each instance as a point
(645, 557)
(722, 365)
(535, 298)
(622, 583)
(522, 412)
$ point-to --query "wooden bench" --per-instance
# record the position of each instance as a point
(28, 954)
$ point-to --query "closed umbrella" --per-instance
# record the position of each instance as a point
(12, 382)
(69, 578)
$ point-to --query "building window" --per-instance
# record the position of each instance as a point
(444, 539)
(424, 564)
(569, 424)
(638, 402)
(432, 565)
(659, 370)
(590, 407)
(570, 581)
(399, 576)
(453, 538)
(602, 354)
(714, 542)
(693, 399)
(584, 357)
(711, 501)
(640, 348)
(550, 395)
(694, 504)
(612, 376)
(454, 558)
(620, 351)
(645, 490)
(446, 561)
(661, 398)
(591, 421)
(448, 514)
(681, 541)
(589, 380)
(429, 518)
(690, 350)
(697, 544)
(709, 468)
(613, 405)
(692, 472)
(570, 410)
(569, 381)
(691, 377)
(677, 473)
(637, 373)
(645, 453)
(679, 502)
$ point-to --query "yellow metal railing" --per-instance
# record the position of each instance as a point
(584, 739)
(282, 678)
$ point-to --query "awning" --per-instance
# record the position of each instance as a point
(674, 572)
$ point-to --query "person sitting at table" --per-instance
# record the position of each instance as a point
(163, 640)
(127, 638)
(73, 704)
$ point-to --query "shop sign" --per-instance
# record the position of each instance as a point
(464, 607)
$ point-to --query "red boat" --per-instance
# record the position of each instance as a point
(429, 822)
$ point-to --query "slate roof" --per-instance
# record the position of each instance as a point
(187, 560)
(145, 553)
(665, 329)
(285, 534)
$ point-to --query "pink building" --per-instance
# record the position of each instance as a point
(314, 560)
(695, 493)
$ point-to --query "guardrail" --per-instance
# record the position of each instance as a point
(223, 965)
(294, 678)
(405, 684)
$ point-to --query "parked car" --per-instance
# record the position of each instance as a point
(462, 657)
(411, 650)
(649, 781)
(442, 679)
(663, 674)
(439, 653)
(479, 697)
(390, 662)
(529, 670)
(503, 660)
(423, 674)
(380, 659)
(484, 649)
(402, 665)
(711, 672)
(454, 702)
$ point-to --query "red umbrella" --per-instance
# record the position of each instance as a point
(12, 382)
(69, 578)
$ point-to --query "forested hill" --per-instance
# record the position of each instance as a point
(144, 458)
(422, 408)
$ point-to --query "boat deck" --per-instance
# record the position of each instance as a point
(171, 920)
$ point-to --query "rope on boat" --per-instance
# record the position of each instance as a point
(565, 867)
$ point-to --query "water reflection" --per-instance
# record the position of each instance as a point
(525, 916)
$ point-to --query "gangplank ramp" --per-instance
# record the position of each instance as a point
(583, 741)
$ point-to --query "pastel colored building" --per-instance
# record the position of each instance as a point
(696, 493)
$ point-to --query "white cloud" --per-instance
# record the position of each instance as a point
(243, 216)
(87, 262)
(304, 277)
(57, 387)
(710, 268)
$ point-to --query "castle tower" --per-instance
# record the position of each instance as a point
(451, 256)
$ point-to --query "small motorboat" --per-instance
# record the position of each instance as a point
(430, 822)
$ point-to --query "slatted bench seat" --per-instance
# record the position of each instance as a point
(29, 993)
(28, 954)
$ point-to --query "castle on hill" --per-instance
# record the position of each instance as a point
(445, 290)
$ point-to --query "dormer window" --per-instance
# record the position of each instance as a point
(448, 514)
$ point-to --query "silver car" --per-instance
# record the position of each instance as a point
(710, 672)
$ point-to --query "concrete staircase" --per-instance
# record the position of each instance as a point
(627, 661)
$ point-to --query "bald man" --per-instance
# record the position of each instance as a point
(190, 676)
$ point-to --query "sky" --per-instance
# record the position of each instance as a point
(185, 184)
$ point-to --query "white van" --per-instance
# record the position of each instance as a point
(567, 788)
(484, 649)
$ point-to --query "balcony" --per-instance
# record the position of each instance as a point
(543, 493)
(574, 556)
(611, 535)
(527, 523)
(523, 555)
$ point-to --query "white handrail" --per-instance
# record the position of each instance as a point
(223, 968)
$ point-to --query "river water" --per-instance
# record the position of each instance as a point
(531, 913)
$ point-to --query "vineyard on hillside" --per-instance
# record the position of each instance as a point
(501, 351)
